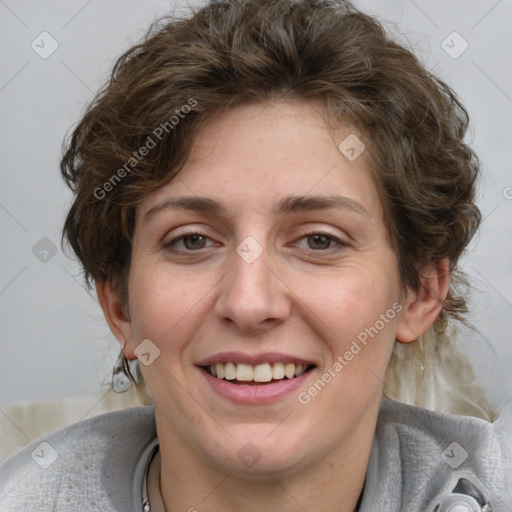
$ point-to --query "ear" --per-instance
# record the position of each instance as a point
(116, 315)
(422, 306)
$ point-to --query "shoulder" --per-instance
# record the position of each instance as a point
(414, 423)
(420, 456)
(90, 465)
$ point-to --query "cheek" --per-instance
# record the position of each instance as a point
(346, 314)
(166, 307)
(356, 305)
(163, 303)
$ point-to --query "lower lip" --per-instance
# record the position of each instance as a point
(255, 394)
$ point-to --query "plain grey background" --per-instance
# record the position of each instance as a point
(54, 341)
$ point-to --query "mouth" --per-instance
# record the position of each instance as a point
(255, 379)
(260, 374)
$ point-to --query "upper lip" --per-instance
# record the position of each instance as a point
(252, 359)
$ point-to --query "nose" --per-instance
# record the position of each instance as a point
(252, 296)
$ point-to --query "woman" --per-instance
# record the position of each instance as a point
(271, 198)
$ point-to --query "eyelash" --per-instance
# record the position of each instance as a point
(340, 243)
(169, 244)
(172, 242)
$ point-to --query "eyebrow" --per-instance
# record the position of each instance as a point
(287, 205)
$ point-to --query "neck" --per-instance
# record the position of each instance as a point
(334, 481)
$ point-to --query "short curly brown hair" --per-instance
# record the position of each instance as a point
(235, 51)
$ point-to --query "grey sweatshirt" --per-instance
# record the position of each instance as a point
(420, 461)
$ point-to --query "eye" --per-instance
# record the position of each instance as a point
(319, 241)
(189, 242)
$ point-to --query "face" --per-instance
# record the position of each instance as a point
(265, 260)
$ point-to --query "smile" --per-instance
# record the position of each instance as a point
(255, 379)
(261, 373)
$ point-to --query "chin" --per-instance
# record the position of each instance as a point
(256, 451)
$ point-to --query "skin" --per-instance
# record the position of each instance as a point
(302, 296)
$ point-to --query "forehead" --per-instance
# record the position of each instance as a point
(254, 155)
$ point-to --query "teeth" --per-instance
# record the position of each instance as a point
(230, 371)
(260, 373)
(289, 370)
(278, 371)
(244, 372)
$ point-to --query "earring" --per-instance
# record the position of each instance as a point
(125, 373)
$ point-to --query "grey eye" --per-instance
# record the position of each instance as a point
(194, 242)
(319, 241)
